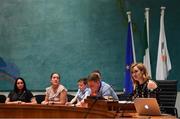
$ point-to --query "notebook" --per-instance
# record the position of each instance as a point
(147, 106)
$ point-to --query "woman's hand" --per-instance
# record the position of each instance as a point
(44, 102)
(151, 85)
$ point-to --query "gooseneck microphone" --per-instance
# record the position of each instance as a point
(99, 96)
(95, 99)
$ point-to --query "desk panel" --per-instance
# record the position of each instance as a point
(57, 111)
(49, 111)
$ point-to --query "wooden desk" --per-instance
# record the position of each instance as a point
(50, 111)
(123, 109)
(57, 111)
(134, 115)
(109, 105)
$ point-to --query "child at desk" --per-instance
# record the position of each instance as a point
(81, 94)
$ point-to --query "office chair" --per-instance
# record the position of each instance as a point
(70, 97)
(167, 96)
(39, 98)
(2, 98)
(123, 97)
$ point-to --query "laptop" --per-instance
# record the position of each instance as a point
(147, 106)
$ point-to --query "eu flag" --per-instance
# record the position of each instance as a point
(128, 87)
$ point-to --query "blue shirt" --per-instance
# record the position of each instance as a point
(106, 90)
(83, 94)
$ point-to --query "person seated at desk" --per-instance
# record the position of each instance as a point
(82, 93)
(20, 94)
(97, 72)
(143, 86)
(56, 93)
(99, 88)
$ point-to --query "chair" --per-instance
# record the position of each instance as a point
(70, 97)
(167, 96)
(39, 98)
(2, 98)
(123, 97)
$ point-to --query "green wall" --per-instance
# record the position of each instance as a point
(74, 37)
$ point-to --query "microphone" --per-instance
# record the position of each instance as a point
(92, 105)
(124, 105)
(125, 101)
(99, 96)
(134, 98)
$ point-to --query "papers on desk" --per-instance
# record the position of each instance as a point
(125, 102)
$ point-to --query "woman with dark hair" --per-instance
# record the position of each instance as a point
(20, 94)
(56, 93)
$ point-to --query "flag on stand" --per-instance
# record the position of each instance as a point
(130, 58)
(163, 61)
(146, 55)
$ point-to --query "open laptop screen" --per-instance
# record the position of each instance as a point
(147, 106)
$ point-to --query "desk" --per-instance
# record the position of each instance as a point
(106, 105)
(49, 111)
(123, 109)
(57, 111)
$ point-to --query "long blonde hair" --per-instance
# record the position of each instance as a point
(143, 69)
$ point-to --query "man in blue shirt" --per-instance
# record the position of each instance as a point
(100, 88)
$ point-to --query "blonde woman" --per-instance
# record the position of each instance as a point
(143, 86)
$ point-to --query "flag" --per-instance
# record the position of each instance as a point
(130, 58)
(145, 43)
(163, 60)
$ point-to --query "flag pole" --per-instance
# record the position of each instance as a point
(133, 47)
(147, 22)
(129, 58)
(146, 58)
(162, 10)
(129, 16)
